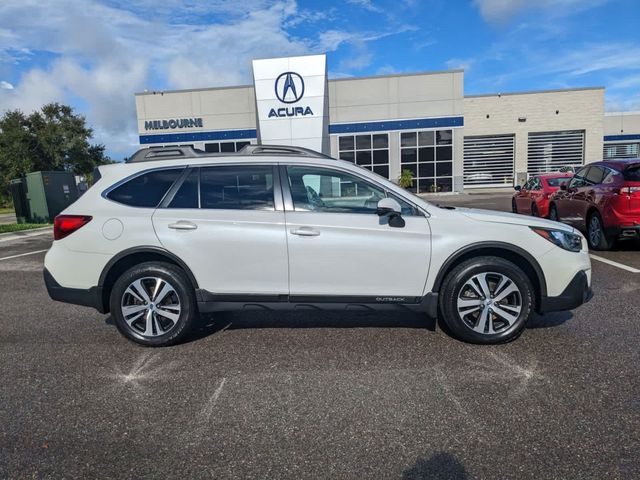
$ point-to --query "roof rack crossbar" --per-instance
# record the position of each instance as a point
(171, 152)
(280, 150)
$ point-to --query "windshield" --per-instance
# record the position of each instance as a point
(632, 174)
(556, 182)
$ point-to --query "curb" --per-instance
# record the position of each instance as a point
(25, 233)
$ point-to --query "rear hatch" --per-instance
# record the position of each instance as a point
(631, 187)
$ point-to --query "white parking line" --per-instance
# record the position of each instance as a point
(615, 264)
(23, 254)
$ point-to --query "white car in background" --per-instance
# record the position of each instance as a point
(175, 231)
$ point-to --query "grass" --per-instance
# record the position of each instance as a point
(6, 210)
(17, 227)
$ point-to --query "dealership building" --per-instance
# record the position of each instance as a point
(419, 122)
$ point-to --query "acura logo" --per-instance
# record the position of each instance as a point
(289, 87)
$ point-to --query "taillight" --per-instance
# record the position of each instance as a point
(65, 225)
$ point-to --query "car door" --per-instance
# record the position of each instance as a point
(585, 197)
(522, 199)
(566, 201)
(226, 222)
(341, 249)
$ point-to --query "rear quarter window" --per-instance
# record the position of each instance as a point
(632, 174)
(145, 190)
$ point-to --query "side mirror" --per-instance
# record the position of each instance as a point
(388, 206)
(563, 186)
(517, 188)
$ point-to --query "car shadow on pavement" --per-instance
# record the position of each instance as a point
(441, 465)
(549, 320)
(209, 324)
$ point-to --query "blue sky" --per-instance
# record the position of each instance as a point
(95, 54)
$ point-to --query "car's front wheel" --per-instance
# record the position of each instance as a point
(553, 213)
(153, 304)
(486, 300)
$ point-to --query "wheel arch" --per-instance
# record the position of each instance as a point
(134, 256)
(512, 253)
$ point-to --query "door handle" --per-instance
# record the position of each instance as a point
(305, 232)
(183, 225)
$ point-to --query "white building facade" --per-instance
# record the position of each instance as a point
(420, 123)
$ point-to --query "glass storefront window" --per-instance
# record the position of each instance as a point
(428, 155)
(370, 151)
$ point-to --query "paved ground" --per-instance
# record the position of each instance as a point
(316, 396)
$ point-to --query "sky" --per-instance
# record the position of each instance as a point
(95, 54)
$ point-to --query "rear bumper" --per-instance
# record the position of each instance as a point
(576, 293)
(77, 296)
(624, 232)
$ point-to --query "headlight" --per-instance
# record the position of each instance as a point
(565, 240)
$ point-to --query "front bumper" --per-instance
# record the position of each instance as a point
(624, 232)
(576, 293)
(77, 296)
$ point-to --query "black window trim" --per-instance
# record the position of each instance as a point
(105, 193)
(278, 204)
(288, 199)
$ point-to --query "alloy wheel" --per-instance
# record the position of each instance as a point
(595, 230)
(151, 306)
(489, 303)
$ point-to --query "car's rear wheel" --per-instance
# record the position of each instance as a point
(153, 304)
(534, 210)
(596, 236)
(486, 300)
(553, 213)
(514, 206)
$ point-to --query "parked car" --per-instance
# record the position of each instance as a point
(603, 200)
(174, 232)
(533, 197)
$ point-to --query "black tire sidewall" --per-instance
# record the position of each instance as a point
(553, 209)
(514, 206)
(534, 210)
(605, 242)
(176, 277)
(455, 281)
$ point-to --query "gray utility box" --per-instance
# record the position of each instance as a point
(39, 196)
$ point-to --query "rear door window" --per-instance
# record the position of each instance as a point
(237, 187)
(595, 175)
(145, 190)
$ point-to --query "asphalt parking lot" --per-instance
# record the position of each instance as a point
(300, 395)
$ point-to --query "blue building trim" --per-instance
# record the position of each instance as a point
(396, 125)
(198, 136)
(615, 138)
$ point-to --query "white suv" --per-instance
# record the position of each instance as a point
(176, 231)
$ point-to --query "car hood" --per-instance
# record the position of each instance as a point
(512, 219)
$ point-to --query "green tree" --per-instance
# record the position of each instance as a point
(53, 138)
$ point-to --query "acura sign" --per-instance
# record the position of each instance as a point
(291, 100)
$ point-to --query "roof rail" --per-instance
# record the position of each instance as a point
(164, 153)
(178, 152)
(271, 150)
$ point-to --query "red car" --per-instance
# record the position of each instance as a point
(533, 197)
(602, 200)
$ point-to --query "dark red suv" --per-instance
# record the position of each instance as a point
(603, 200)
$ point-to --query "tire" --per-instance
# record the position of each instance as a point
(534, 210)
(596, 236)
(146, 322)
(553, 213)
(514, 206)
(472, 319)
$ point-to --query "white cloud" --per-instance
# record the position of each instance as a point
(367, 5)
(460, 63)
(6, 85)
(501, 11)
